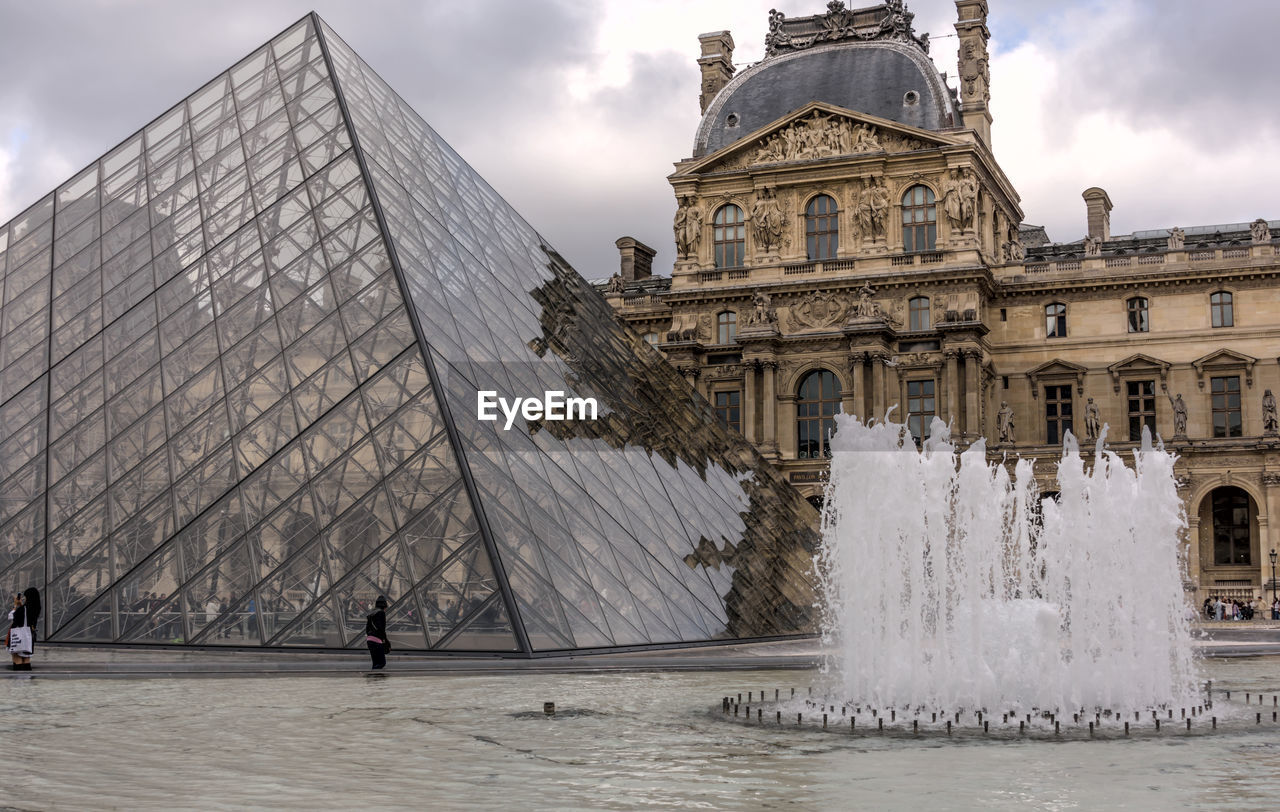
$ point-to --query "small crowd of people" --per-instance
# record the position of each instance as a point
(1219, 608)
(24, 619)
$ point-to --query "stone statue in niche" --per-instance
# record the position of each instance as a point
(1179, 414)
(959, 200)
(1177, 239)
(1092, 423)
(1004, 423)
(1260, 231)
(767, 222)
(688, 228)
(873, 207)
(1270, 423)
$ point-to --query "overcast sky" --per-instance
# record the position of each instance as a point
(575, 111)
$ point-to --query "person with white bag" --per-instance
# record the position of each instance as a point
(19, 636)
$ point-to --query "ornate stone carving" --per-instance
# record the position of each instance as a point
(975, 72)
(839, 23)
(1179, 414)
(1182, 481)
(1005, 423)
(960, 200)
(688, 228)
(869, 310)
(767, 221)
(872, 209)
(1260, 231)
(762, 313)
(822, 135)
(1092, 423)
(1177, 239)
(918, 359)
(616, 285)
(1270, 423)
(1092, 246)
(817, 310)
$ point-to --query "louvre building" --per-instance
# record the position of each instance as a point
(239, 364)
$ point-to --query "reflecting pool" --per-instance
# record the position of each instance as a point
(618, 741)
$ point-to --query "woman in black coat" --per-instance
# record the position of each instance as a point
(375, 633)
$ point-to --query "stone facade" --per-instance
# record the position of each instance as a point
(933, 293)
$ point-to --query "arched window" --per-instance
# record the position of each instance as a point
(918, 314)
(919, 220)
(1137, 308)
(651, 338)
(816, 406)
(726, 327)
(1055, 320)
(822, 228)
(1220, 310)
(1232, 542)
(730, 237)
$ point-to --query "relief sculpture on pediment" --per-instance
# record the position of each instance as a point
(822, 135)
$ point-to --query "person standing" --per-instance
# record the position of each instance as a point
(19, 636)
(31, 603)
(375, 633)
(1275, 608)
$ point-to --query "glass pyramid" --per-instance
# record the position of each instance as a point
(239, 362)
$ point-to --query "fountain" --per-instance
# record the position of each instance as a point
(951, 585)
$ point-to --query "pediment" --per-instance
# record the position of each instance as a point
(1224, 359)
(816, 131)
(1139, 363)
(1057, 369)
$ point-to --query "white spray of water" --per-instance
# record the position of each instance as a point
(950, 585)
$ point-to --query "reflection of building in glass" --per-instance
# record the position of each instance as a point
(843, 208)
(240, 357)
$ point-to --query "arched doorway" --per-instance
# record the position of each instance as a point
(1229, 543)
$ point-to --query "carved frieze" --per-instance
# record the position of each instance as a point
(816, 310)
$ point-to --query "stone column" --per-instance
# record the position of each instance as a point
(770, 404)
(972, 403)
(749, 400)
(1193, 553)
(877, 384)
(953, 388)
(855, 400)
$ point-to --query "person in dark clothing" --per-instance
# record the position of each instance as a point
(32, 605)
(375, 633)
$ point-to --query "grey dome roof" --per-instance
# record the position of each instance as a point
(868, 77)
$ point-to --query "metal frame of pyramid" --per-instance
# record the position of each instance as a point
(239, 357)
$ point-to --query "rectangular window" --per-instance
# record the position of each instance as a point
(921, 408)
(1221, 312)
(728, 409)
(1055, 321)
(1057, 413)
(1142, 408)
(1226, 407)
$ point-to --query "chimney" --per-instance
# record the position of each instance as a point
(716, 63)
(637, 259)
(1098, 207)
(975, 72)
